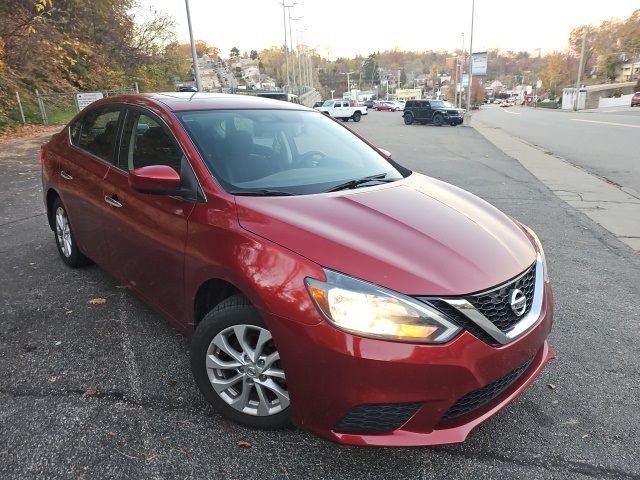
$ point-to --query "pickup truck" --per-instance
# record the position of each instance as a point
(341, 109)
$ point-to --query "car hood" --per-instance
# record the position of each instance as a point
(418, 236)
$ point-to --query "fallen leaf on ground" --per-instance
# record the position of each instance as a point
(53, 378)
(90, 392)
(552, 386)
(585, 435)
(98, 301)
(172, 383)
(67, 312)
(112, 434)
(243, 444)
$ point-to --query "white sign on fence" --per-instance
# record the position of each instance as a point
(479, 63)
(87, 98)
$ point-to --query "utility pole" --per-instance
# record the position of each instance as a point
(194, 56)
(473, 5)
(580, 68)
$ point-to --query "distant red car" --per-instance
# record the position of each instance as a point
(635, 100)
(383, 106)
(320, 281)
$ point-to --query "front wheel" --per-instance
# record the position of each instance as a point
(237, 366)
(438, 120)
(408, 119)
(356, 116)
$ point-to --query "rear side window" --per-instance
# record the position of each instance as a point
(97, 132)
(145, 142)
(75, 132)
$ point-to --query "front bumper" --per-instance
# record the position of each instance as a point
(330, 373)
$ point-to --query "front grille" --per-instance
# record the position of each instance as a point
(463, 321)
(377, 418)
(474, 400)
(495, 304)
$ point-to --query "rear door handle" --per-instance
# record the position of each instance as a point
(112, 201)
(66, 175)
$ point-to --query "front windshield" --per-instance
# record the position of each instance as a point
(327, 103)
(291, 151)
(447, 104)
(437, 104)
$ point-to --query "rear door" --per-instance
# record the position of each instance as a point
(147, 233)
(82, 176)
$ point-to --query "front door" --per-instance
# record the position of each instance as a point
(428, 112)
(147, 233)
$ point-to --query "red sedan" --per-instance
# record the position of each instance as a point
(385, 107)
(635, 100)
(321, 282)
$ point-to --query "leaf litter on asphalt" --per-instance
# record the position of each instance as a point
(98, 301)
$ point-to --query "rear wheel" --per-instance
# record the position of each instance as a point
(237, 366)
(408, 118)
(356, 116)
(438, 120)
(65, 241)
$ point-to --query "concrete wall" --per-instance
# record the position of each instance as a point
(615, 102)
(596, 92)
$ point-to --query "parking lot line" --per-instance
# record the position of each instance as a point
(606, 123)
(508, 111)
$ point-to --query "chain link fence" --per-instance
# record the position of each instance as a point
(62, 107)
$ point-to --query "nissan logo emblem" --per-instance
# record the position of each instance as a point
(518, 302)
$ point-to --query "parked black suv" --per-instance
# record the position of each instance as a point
(431, 111)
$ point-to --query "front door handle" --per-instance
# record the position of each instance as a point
(112, 201)
(66, 175)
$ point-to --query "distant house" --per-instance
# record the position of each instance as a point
(629, 71)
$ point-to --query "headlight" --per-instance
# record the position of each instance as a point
(369, 310)
(540, 250)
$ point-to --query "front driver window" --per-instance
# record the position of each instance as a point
(146, 143)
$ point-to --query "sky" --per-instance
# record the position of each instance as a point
(338, 28)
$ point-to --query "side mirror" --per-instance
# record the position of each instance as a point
(155, 179)
(385, 153)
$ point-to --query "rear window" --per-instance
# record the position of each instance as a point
(97, 132)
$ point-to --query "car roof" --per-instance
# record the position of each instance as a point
(186, 101)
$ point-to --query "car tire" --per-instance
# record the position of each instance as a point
(261, 403)
(408, 118)
(356, 116)
(438, 120)
(65, 240)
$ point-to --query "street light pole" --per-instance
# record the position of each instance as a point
(473, 5)
(286, 46)
(194, 55)
(462, 63)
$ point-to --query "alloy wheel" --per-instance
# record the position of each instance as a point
(63, 232)
(243, 366)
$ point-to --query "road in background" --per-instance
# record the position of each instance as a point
(606, 143)
(105, 391)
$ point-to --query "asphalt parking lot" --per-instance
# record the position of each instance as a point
(105, 391)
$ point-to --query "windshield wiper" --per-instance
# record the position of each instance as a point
(359, 181)
(263, 192)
